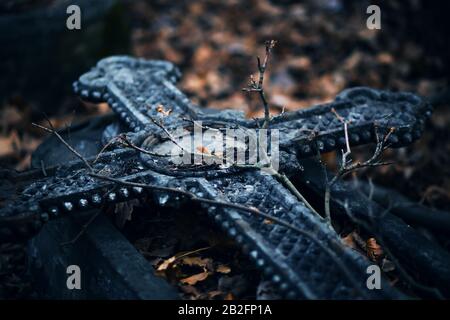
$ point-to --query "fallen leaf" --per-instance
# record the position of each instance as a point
(9, 145)
(374, 251)
(229, 296)
(223, 269)
(6, 146)
(195, 261)
(163, 266)
(214, 293)
(203, 149)
(349, 241)
(179, 255)
(354, 240)
(192, 280)
(385, 58)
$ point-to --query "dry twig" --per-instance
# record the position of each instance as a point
(347, 165)
(68, 146)
(257, 86)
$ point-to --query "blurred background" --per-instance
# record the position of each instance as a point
(323, 47)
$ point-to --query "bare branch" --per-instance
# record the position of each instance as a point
(195, 198)
(82, 230)
(347, 166)
(127, 143)
(68, 146)
(254, 86)
(106, 146)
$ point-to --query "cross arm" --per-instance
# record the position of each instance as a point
(35, 196)
(367, 111)
(135, 89)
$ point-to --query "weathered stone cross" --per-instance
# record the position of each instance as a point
(134, 88)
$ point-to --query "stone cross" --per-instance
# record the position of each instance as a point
(140, 91)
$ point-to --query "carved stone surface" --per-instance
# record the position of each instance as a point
(134, 88)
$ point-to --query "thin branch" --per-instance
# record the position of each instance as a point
(347, 166)
(169, 135)
(127, 143)
(106, 146)
(124, 141)
(327, 185)
(82, 230)
(198, 125)
(44, 172)
(291, 187)
(68, 146)
(254, 86)
(195, 198)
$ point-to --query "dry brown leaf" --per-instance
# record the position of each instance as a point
(385, 58)
(350, 241)
(195, 261)
(202, 55)
(374, 251)
(223, 269)
(6, 146)
(179, 255)
(163, 266)
(192, 280)
(229, 296)
(203, 150)
(214, 293)
(300, 63)
(354, 240)
(9, 144)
